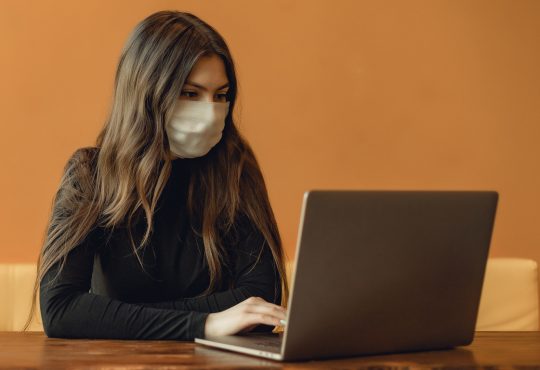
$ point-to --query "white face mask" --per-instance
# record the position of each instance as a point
(196, 127)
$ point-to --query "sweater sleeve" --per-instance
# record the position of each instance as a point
(69, 310)
(253, 275)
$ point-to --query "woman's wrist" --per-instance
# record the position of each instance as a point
(208, 325)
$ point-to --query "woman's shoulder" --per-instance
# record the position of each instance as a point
(83, 157)
(79, 169)
(85, 154)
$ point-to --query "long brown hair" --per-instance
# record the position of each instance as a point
(125, 176)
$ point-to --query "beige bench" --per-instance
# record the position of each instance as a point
(509, 295)
(16, 284)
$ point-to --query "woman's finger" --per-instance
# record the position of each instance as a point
(271, 310)
(260, 318)
(259, 301)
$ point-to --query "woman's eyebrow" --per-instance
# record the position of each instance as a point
(204, 88)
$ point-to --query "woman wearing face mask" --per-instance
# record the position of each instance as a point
(164, 229)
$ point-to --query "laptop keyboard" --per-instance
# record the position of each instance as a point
(268, 343)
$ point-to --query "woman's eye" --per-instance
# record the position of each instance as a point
(192, 94)
(189, 92)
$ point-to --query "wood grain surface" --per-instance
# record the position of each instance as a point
(33, 350)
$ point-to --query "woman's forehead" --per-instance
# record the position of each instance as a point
(209, 72)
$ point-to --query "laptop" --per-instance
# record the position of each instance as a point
(380, 272)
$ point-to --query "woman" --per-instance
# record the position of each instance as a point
(164, 229)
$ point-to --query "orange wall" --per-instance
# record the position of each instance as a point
(333, 94)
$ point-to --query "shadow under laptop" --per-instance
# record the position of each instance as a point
(458, 357)
(224, 358)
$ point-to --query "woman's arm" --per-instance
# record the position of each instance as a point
(251, 278)
(69, 311)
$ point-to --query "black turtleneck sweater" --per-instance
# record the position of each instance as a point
(102, 292)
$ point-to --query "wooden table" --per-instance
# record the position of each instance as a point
(33, 350)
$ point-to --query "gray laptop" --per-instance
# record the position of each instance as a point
(381, 272)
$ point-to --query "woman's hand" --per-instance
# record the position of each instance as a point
(243, 317)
